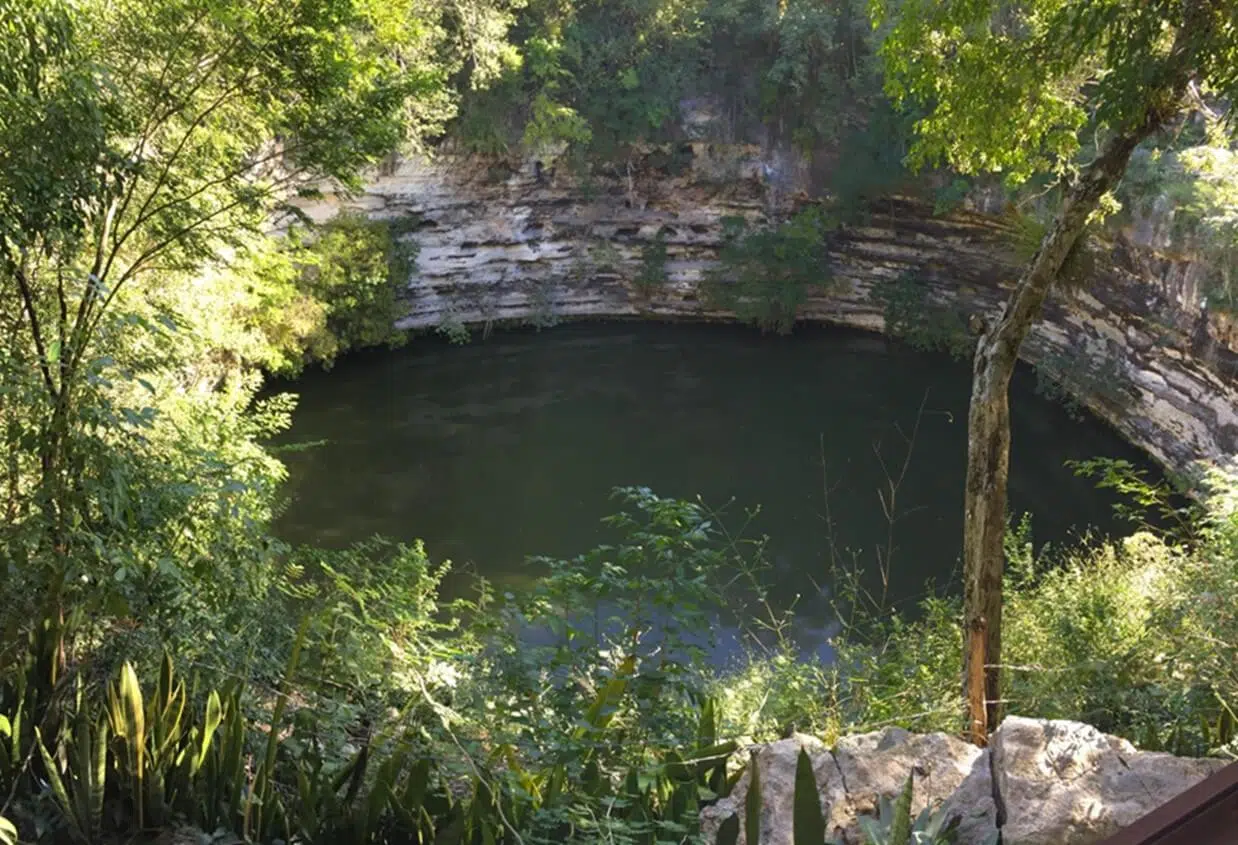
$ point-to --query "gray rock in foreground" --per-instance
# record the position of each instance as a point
(1055, 782)
(1064, 783)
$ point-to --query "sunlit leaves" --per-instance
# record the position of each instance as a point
(1009, 86)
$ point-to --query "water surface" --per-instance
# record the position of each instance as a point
(497, 450)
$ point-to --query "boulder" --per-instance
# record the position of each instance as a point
(1044, 782)
(1066, 783)
(777, 762)
(950, 774)
(856, 774)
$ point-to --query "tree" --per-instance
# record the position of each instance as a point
(140, 139)
(1011, 87)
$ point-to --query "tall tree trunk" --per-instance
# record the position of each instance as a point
(988, 421)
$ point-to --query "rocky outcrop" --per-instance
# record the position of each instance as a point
(1039, 783)
(531, 243)
(1064, 782)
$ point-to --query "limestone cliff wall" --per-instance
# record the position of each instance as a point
(530, 243)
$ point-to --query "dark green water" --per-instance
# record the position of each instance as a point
(501, 449)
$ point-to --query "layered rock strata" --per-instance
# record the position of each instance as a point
(503, 244)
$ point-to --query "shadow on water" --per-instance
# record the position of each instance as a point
(498, 450)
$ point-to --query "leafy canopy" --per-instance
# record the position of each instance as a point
(1008, 86)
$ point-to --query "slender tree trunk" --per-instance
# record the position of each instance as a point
(988, 446)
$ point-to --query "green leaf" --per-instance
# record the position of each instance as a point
(900, 824)
(214, 715)
(807, 824)
(752, 804)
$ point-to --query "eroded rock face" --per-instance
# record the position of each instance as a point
(1066, 783)
(1040, 783)
(531, 244)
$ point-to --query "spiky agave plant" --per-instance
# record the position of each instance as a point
(894, 825)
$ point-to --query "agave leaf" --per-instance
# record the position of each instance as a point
(807, 825)
(79, 769)
(263, 780)
(99, 774)
(752, 804)
(602, 710)
(307, 815)
(128, 715)
(381, 790)
(417, 784)
(707, 728)
(555, 783)
(1225, 723)
(900, 824)
(676, 769)
(874, 833)
(718, 752)
(58, 788)
(346, 772)
(214, 715)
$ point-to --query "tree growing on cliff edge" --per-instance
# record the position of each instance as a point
(1011, 88)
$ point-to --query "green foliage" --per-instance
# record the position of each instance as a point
(355, 267)
(1150, 505)
(801, 67)
(895, 826)
(154, 138)
(1130, 636)
(765, 275)
(1189, 191)
(542, 313)
(1010, 89)
(180, 753)
(912, 316)
(304, 298)
(608, 75)
(807, 823)
(1028, 231)
(453, 329)
(776, 692)
(652, 274)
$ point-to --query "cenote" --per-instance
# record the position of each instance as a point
(500, 449)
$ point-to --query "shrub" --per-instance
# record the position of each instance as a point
(912, 316)
(1138, 637)
(652, 275)
(764, 275)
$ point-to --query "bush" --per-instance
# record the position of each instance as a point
(305, 298)
(1138, 637)
(764, 276)
(910, 315)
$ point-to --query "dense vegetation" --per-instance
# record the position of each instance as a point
(167, 661)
